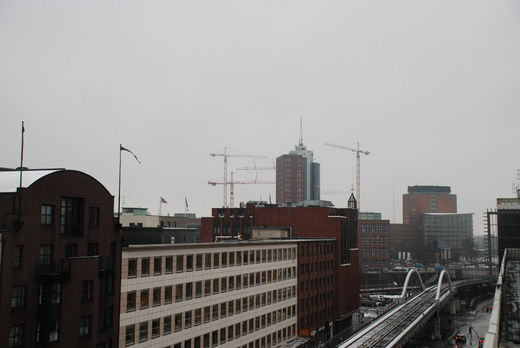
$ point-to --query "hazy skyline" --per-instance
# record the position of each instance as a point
(430, 88)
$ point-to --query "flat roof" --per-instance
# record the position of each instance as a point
(227, 243)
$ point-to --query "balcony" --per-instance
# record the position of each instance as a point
(56, 270)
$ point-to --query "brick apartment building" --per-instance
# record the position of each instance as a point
(60, 261)
(373, 241)
(303, 222)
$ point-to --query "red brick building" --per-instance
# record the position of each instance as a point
(373, 241)
(304, 222)
(60, 261)
(427, 199)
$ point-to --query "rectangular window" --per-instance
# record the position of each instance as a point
(224, 259)
(156, 328)
(143, 331)
(216, 259)
(168, 264)
(198, 316)
(71, 250)
(145, 267)
(206, 314)
(45, 254)
(223, 310)
(207, 261)
(156, 297)
(15, 338)
(198, 262)
(207, 287)
(198, 289)
(132, 268)
(130, 335)
(178, 292)
(179, 260)
(130, 301)
(18, 257)
(47, 215)
(70, 217)
(239, 258)
(215, 312)
(87, 291)
(189, 291)
(93, 249)
(167, 325)
(189, 263)
(216, 286)
(145, 299)
(231, 307)
(93, 217)
(18, 296)
(187, 319)
(178, 322)
(246, 257)
(168, 294)
(84, 326)
(157, 265)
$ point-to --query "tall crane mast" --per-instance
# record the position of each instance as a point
(226, 155)
(232, 184)
(358, 168)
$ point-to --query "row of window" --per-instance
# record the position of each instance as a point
(237, 305)
(366, 251)
(16, 332)
(47, 251)
(316, 266)
(374, 240)
(190, 262)
(316, 283)
(367, 262)
(313, 302)
(316, 250)
(316, 317)
(152, 329)
(70, 216)
(375, 228)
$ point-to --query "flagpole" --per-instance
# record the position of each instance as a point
(119, 191)
(21, 174)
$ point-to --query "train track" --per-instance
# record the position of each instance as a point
(383, 331)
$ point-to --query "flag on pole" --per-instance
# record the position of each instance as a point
(163, 201)
(186, 204)
(122, 148)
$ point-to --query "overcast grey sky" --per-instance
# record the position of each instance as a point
(430, 88)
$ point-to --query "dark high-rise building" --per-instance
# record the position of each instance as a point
(60, 261)
(508, 224)
(297, 176)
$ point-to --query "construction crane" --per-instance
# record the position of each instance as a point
(226, 155)
(358, 168)
(232, 184)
